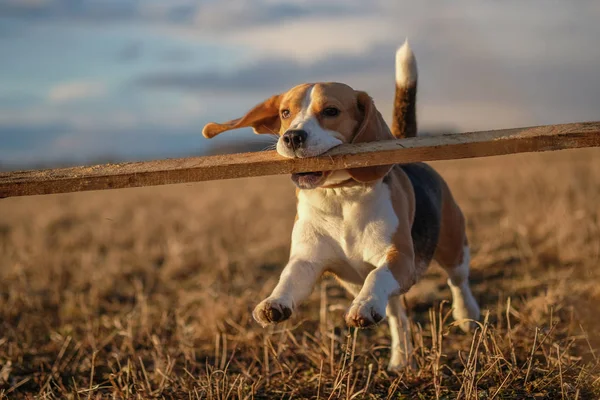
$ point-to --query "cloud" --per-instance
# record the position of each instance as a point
(17, 100)
(24, 144)
(273, 74)
(26, 5)
(307, 40)
(60, 10)
(481, 65)
(20, 137)
(238, 15)
(50, 134)
(76, 90)
(130, 52)
(176, 55)
(206, 15)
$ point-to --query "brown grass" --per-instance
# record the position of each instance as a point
(147, 293)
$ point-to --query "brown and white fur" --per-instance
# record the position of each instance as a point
(375, 228)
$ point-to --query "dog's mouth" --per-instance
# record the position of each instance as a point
(308, 180)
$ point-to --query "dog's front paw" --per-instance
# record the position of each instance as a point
(272, 311)
(365, 313)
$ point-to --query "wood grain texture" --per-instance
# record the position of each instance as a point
(196, 169)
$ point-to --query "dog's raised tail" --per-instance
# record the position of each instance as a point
(404, 123)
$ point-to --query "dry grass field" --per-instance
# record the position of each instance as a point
(147, 293)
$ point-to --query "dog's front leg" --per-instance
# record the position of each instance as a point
(309, 255)
(394, 275)
(295, 284)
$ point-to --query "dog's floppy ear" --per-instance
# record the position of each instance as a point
(264, 118)
(372, 128)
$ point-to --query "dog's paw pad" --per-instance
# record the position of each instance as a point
(275, 315)
(363, 316)
(271, 312)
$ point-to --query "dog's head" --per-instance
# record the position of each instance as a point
(311, 119)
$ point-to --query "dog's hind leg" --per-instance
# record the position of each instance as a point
(401, 350)
(464, 305)
(454, 256)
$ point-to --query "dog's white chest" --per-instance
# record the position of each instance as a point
(355, 225)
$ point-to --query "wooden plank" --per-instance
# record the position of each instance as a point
(196, 169)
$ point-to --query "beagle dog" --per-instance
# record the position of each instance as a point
(375, 228)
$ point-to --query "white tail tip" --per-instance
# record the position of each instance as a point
(406, 66)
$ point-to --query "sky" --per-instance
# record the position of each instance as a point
(89, 80)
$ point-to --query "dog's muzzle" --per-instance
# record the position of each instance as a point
(294, 139)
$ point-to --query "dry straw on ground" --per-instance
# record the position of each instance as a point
(147, 293)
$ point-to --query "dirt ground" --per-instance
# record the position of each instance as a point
(147, 293)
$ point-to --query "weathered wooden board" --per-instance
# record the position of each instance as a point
(196, 169)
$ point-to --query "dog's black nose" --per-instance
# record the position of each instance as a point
(294, 139)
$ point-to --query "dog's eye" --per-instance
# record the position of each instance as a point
(285, 113)
(331, 112)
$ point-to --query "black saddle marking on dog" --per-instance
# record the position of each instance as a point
(425, 230)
